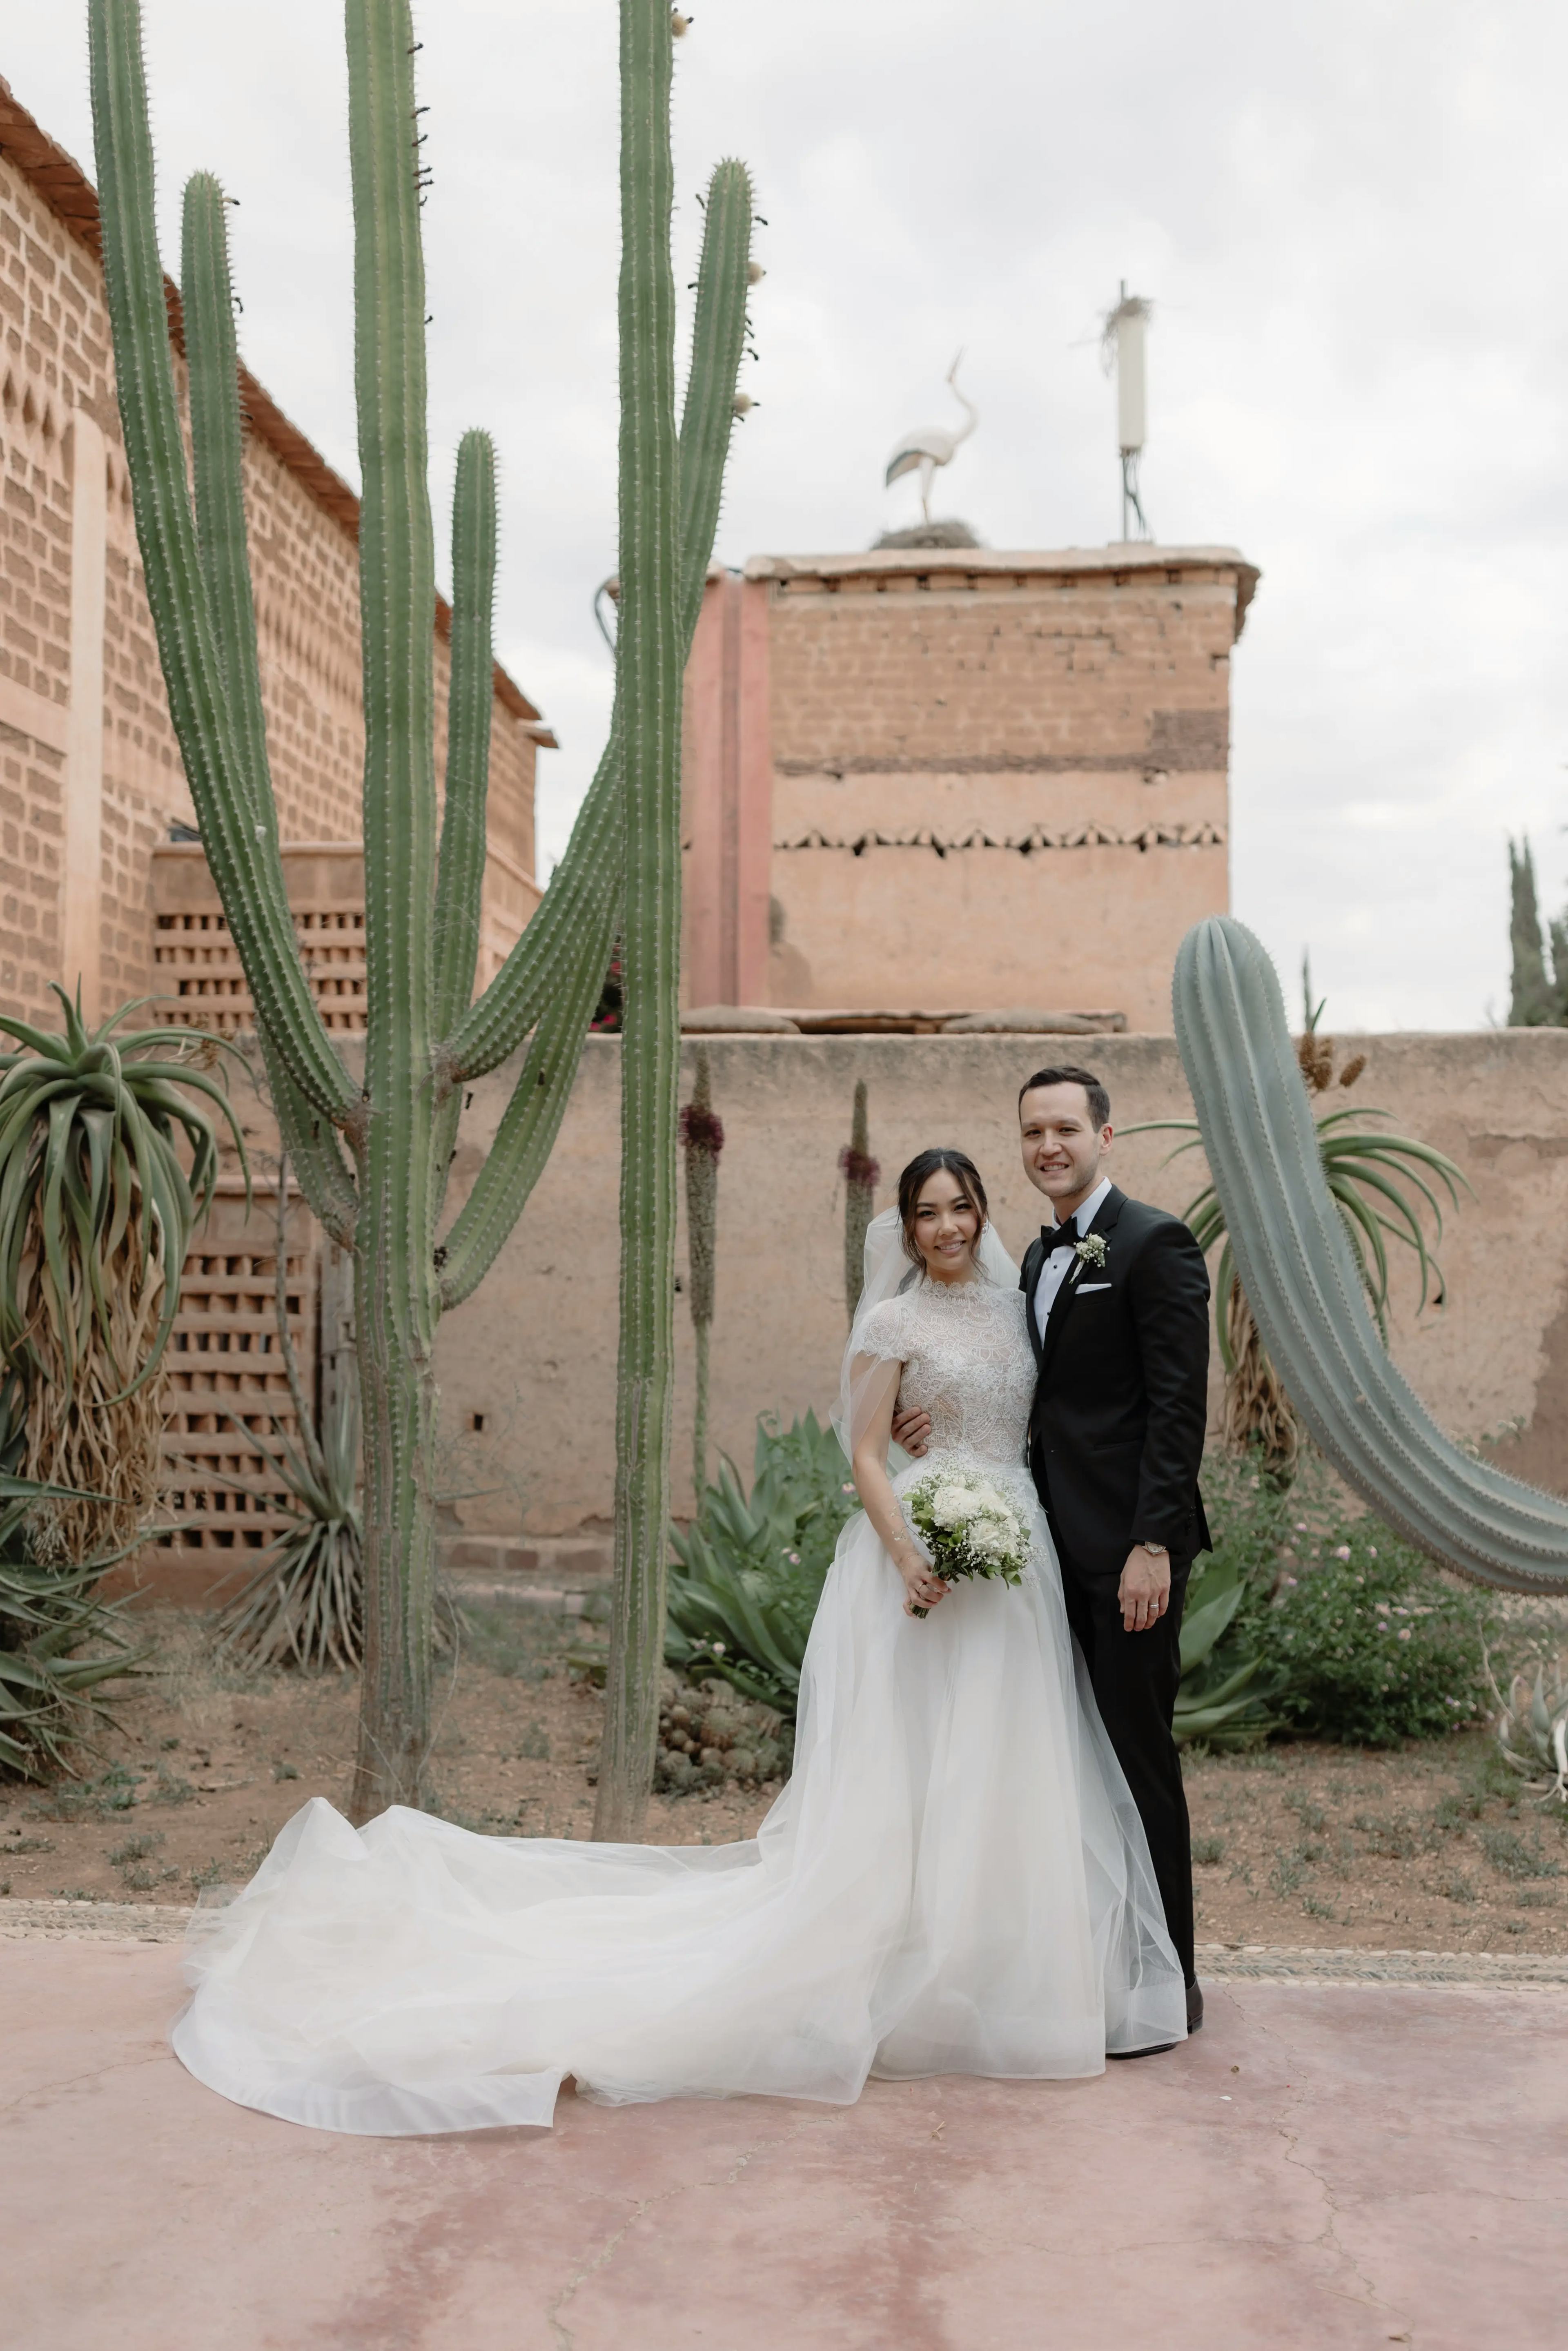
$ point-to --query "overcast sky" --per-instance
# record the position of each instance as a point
(1349, 216)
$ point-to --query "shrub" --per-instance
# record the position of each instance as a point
(1364, 1641)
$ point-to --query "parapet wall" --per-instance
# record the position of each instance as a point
(531, 1357)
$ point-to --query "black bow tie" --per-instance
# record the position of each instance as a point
(1058, 1237)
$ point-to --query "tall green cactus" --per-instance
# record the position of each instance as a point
(372, 1158)
(1300, 1277)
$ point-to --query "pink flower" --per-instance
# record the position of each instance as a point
(1342, 1552)
(1405, 1632)
(1371, 1553)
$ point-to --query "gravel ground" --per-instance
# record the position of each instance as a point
(1431, 1848)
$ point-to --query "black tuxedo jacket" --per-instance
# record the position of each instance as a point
(1122, 1399)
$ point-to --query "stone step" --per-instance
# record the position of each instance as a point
(562, 1563)
(518, 1594)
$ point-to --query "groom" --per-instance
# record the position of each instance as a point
(1118, 1312)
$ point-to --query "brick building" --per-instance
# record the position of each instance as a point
(958, 780)
(92, 793)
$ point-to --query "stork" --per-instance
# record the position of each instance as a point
(930, 445)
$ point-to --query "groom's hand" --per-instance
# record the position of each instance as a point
(1144, 1591)
(912, 1429)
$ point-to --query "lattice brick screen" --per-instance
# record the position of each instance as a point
(225, 1360)
(197, 966)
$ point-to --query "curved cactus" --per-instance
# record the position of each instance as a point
(422, 906)
(1309, 1298)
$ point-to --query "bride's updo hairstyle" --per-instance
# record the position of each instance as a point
(913, 1182)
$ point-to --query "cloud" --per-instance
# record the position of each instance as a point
(1348, 219)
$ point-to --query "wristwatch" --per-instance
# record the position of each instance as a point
(1155, 1550)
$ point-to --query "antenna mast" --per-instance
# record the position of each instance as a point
(1122, 346)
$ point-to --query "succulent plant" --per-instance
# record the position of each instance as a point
(1533, 1727)
(1223, 1693)
(108, 1162)
(1379, 1183)
(50, 1690)
(749, 1571)
(305, 1604)
(1309, 1293)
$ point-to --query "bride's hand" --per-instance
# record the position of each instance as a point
(923, 1587)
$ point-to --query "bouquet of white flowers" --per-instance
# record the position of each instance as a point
(969, 1527)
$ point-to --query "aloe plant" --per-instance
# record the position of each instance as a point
(1307, 1288)
(97, 1206)
(371, 1156)
(1370, 1176)
(49, 1702)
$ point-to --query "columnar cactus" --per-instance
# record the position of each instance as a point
(372, 1157)
(1302, 1279)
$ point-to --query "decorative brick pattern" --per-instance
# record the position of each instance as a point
(226, 1368)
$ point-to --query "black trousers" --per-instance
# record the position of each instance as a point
(1135, 1676)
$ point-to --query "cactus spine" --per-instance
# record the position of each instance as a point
(702, 1138)
(1307, 1294)
(372, 1158)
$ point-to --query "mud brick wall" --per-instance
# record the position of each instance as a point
(73, 599)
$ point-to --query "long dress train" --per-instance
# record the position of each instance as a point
(954, 1881)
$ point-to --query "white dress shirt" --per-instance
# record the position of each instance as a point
(1058, 1266)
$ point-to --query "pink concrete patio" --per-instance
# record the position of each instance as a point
(1328, 2164)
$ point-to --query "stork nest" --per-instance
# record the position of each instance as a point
(929, 534)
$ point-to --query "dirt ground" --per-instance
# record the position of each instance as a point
(1432, 1848)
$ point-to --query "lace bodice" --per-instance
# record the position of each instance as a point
(967, 1361)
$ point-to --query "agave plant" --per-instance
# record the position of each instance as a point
(48, 1688)
(97, 1210)
(1223, 1697)
(305, 1604)
(1379, 1182)
(749, 1572)
(1532, 1728)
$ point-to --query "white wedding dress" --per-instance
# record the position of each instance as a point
(954, 1881)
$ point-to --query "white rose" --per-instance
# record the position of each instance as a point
(950, 1506)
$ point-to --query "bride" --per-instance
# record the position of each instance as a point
(954, 1881)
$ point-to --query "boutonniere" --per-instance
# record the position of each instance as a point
(1091, 1250)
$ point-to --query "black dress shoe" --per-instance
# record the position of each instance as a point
(1158, 2048)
